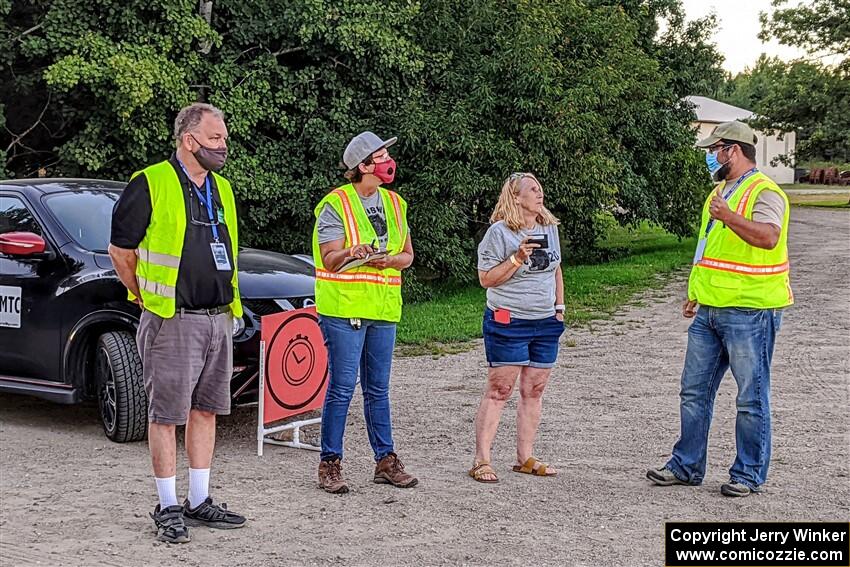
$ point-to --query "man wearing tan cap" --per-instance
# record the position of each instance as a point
(740, 282)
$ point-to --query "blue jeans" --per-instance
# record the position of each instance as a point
(369, 349)
(719, 339)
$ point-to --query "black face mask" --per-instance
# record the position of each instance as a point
(211, 159)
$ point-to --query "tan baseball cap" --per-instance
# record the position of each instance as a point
(733, 131)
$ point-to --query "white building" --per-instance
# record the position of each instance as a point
(712, 112)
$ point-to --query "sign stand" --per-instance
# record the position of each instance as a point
(295, 426)
(293, 375)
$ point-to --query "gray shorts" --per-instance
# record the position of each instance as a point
(187, 362)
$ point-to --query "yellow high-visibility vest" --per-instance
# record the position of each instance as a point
(161, 248)
(361, 292)
(732, 273)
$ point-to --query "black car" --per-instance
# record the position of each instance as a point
(67, 331)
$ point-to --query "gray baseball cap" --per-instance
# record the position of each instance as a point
(362, 146)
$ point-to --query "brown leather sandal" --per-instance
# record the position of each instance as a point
(478, 471)
(534, 467)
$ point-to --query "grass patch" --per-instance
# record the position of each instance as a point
(596, 291)
(837, 189)
(842, 204)
(819, 200)
(453, 317)
(810, 187)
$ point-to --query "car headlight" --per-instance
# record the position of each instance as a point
(238, 326)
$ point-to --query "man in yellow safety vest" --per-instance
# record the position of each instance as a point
(361, 243)
(740, 280)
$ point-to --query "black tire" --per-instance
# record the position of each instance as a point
(122, 401)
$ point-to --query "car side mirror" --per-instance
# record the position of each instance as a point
(22, 244)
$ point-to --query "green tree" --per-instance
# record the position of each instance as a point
(297, 80)
(546, 87)
(808, 96)
(583, 93)
(748, 88)
(821, 27)
(95, 83)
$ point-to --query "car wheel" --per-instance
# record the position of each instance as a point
(122, 400)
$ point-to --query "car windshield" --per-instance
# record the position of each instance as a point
(85, 215)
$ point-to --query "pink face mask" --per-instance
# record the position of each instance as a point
(385, 171)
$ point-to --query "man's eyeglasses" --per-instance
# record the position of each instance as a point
(202, 209)
(715, 149)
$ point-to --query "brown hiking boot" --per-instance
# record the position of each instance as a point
(330, 477)
(390, 470)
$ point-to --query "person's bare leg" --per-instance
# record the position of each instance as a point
(200, 443)
(500, 384)
(532, 382)
(163, 447)
(200, 438)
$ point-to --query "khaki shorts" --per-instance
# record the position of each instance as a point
(187, 362)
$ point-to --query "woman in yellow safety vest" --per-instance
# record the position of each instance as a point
(361, 243)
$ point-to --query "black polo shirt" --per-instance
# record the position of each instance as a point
(199, 284)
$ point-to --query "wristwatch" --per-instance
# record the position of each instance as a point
(560, 308)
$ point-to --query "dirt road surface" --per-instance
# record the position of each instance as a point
(70, 497)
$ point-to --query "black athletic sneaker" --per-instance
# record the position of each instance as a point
(212, 515)
(170, 526)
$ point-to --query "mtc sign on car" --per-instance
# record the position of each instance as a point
(10, 306)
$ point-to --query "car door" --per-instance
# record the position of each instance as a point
(30, 321)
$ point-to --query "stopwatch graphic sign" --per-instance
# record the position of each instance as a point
(296, 365)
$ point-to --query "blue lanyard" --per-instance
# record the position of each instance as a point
(727, 195)
(207, 201)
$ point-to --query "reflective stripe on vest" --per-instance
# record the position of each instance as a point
(745, 200)
(166, 260)
(360, 278)
(156, 287)
(352, 233)
(749, 269)
(397, 211)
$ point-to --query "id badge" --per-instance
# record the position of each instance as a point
(700, 250)
(219, 252)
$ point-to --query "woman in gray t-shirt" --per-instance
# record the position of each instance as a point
(519, 263)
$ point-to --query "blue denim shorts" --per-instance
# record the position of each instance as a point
(522, 342)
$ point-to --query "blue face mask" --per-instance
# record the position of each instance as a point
(713, 165)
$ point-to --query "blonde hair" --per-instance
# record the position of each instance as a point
(507, 208)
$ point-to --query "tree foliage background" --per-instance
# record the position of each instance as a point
(585, 93)
(808, 95)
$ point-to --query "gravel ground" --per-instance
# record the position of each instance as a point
(70, 497)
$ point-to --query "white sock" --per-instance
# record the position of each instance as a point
(199, 486)
(167, 489)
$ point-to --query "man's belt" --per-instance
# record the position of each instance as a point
(209, 311)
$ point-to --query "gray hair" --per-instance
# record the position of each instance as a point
(189, 118)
